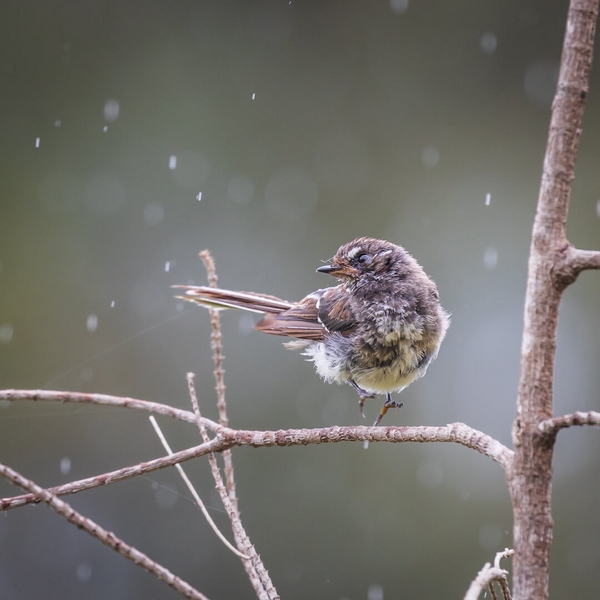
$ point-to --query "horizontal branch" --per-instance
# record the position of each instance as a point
(458, 433)
(553, 425)
(106, 400)
(488, 575)
(106, 537)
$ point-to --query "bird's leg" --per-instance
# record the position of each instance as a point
(389, 403)
(362, 395)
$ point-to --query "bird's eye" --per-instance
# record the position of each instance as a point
(364, 259)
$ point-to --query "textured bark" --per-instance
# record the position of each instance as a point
(553, 264)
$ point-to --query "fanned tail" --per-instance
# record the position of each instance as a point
(222, 299)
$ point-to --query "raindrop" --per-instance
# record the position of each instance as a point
(488, 42)
(65, 465)
(37, 142)
(111, 110)
(253, 96)
(92, 323)
(199, 196)
(6, 334)
(172, 163)
(399, 6)
(57, 123)
(167, 266)
(112, 304)
(375, 592)
(490, 258)
(84, 572)
(598, 208)
(105, 129)
(430, 157)
(488, 199)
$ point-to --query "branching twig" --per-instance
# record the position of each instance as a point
(553, 425)
(193, 491)
(458, 433)
(258, 575)
(106, 537)
(488, 575)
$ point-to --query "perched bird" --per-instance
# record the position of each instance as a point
(378, 330)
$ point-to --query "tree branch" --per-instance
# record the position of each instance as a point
(555, 424)
(106, 537)
(458, 433)
(488, 575)
(104, 399)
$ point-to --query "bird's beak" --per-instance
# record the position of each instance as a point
(329, 269)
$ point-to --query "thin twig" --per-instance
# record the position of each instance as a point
(553, 425)
(258, 575)
(457, 433)
(106, 537)
(488, 575)
(104, 399)
(192, 490)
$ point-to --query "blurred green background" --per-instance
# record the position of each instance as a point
(134, 134)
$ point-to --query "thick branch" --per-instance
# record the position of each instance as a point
(553, 425)
(228, 438)
(552, 266)
(106, 537)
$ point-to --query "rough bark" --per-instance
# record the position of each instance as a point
(551, 268)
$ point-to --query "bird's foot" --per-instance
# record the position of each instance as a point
(362, 395)
(389, 403)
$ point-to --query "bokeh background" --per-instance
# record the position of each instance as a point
(134, 134)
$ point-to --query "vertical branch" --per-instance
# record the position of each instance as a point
(530, 478)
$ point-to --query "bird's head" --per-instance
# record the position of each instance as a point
(367, 258)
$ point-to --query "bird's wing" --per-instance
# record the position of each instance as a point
(322, 312)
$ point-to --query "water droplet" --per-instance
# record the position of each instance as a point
(430, 157)
(598, 208)
(199, 196)
(57, 123)
(167, 266)
(172, 163)
(375, 592)
(112, 304)
(6, 334)
(37, 142)
(253, 96)
(490, 258)
(399, 6)
(84, 572)
(92, 323)
(488, 199)
(65, 465)
(105, 129)
(111, 110)
(488, 42)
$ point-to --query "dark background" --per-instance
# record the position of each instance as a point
(303, 124)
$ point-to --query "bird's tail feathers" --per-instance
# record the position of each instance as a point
(221, 299)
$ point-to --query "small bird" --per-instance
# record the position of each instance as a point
(378, 330)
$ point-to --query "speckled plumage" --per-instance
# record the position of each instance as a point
(378, 330)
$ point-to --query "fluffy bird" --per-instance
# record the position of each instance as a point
(378, 330)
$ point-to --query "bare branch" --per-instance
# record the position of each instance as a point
(553, 425)
(458, 433)
(104, 399)
(106, 537)
(214, 445)
(192, 489)
(488, 575)
(571, 261)
(258, 575)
